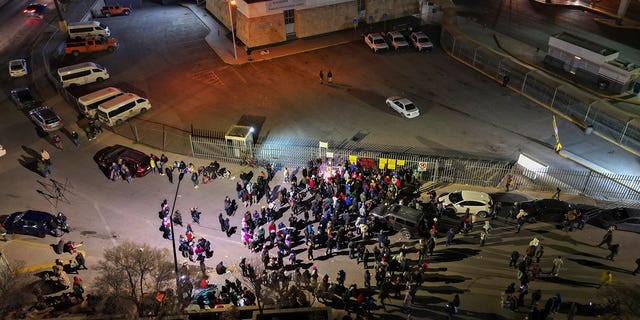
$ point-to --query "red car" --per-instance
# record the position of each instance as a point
(136, 161)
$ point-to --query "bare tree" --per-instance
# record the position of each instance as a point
(132, 271)
(254, 278)
(620, 301)
(14, 287)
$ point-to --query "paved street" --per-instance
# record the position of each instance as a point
(462, 113)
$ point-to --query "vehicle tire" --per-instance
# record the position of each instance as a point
(118, 122)
(111, 49)
(41, 234)
(75, 53)
(482, 214)
(72, 85)
(143, 110)
(406, 234)
(126, 12)
(107, 14)
(99, 79)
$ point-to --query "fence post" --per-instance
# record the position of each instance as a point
(191, 143)
(435, 170)
(475, 53)
(164, 138)
(135, 132)
(553, 99)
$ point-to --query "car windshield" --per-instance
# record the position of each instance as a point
(398, 39)
(16, 66)
(455, 197)
(410, 107)
(378, 41)
(423, 40)
(24, 95)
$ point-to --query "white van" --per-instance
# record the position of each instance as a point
(81, 30)
(121, 108)
(82, 73)
(88, 104)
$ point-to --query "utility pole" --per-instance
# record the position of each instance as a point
(61, 22)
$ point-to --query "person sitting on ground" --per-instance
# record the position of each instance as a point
(220, 268)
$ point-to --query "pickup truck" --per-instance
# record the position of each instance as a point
(115, 11)
(90, 44)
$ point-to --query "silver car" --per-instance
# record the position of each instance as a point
(45, 118)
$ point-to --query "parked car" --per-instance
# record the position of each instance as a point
(24, 99)
(136, 161)
(396, 40)
(457, 202)
(30, 222)
(551, 210)
(409, 222)
(35, 10)
(45, 118)
(376, 42)
(3, 151)
(90, 44)
(421, 41)
(115, 11)
(404, 106)
(18, 68)
(620, 218)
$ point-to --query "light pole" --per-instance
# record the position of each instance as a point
(233, 33)
(173, 236)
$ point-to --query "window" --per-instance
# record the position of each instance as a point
(289, 16)
(76, 75)
(360, 4)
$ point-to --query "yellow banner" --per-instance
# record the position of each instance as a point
(382, 163)
(353, 159)
(400, 163)
(391, 164)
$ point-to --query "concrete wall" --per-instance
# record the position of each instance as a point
(325, 19)
(312, 18)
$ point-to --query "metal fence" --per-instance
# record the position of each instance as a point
(581, 108)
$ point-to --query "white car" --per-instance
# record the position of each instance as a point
(478, 203)
(396, 40)
(421, 41)
(376, 42)
(404, 106)
(3, 151)
(18, 68)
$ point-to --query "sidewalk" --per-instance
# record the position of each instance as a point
(39, 254)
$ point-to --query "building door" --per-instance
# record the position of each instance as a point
(289, 23)
(362, 12)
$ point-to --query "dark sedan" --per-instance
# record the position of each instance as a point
(31, 222)
(136, 161)
(625, 219)
(550, 210)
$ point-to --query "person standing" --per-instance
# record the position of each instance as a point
(367, 279)
(161, 163)
(605, 279)
(310, 250)
(194, 179)
(78, 289)
(44, 156)
(222, 224)
(508, 183)
(81, 261)
(329, 77)
(75, 138)
(321, 79)
(450, 235)
(515, 255)
(152, 163)
(483, 237)
(539, 253)
(557, 264)
(169, 171)
(57, 141)
(3, 233)
(607, 238)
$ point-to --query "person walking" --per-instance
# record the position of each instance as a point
(613, 251)
(310, 251)
(222, 224)
(483, 237)
(557, 264)
(367, 279)
(607, 238)
(75, 138)
(329, 77)
(605, 279)
(321, 79)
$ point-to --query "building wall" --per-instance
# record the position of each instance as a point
(262, 23)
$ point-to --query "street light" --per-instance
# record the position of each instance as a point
(173, 236)
(233, 34)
